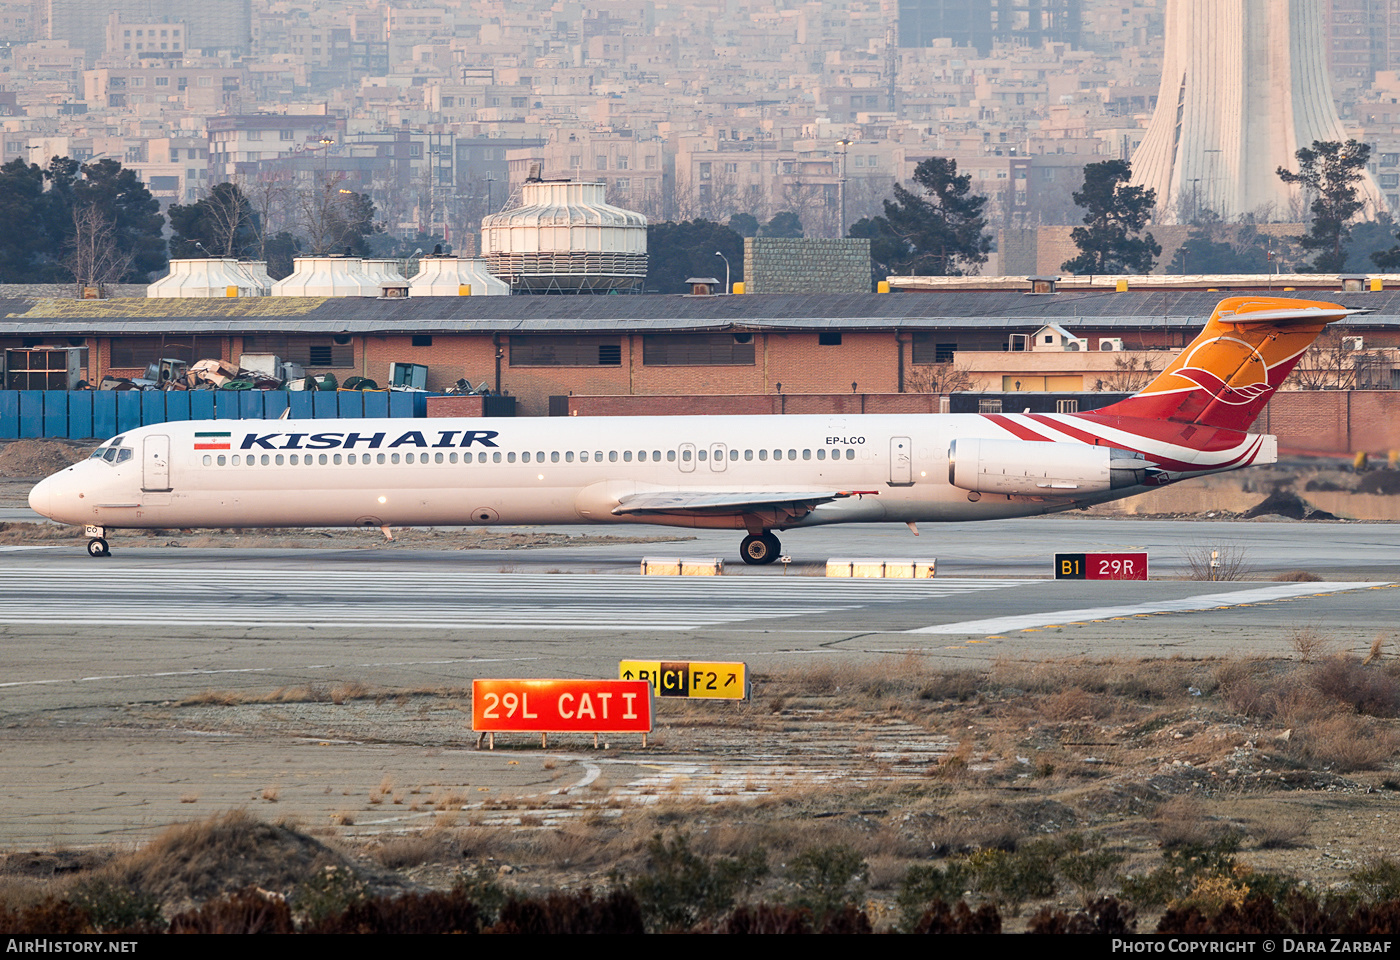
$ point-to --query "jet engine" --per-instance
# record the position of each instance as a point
(1042, 469)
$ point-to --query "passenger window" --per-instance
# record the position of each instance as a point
(656, 455)
(568, 456)
(278, 459)
(733, 454)
(437, 458)
(627, 456)
(763, 454)
(393, 458)
(321, 459)
(671, 456)
(554, 456)
(685, 455)
(583, 456)
(539, 456)
(237, 460)
(223, 460)
(748, 454)
(510, 457)
(612, 456)
(350, 458)
(641, 456)
(495, 457)
(266, 459)
(702, 454)
(525, 457)
(336, 459)
(851, 454)
(792, 454)
(208, 460)
(452, 458)
(806, 454)
(821, 454)
(777, 454)
(598, 456)
(379, 458)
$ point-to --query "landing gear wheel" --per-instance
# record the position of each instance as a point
(97, 547)
(760, 550)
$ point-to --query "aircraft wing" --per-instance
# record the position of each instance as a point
(712, 503)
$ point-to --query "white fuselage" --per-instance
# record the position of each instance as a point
(401, 472)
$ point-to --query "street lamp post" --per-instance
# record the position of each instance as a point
(726, 270)
(844, 144)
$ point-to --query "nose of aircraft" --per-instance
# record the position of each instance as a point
(41, 496)
(47, 498)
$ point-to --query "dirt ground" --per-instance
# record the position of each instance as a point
(1296, 763)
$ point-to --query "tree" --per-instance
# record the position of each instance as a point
(786, 224)
(335, 219)
(124, 202)
(678, 251)
(96, 255)
(1116, 213)
(224, 223)
(939, 232)
(1329, 172)
(33, 254)
(744, 224)
(1213, 246)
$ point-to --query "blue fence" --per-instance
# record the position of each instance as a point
(85, 414)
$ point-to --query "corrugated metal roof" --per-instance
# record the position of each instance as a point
(996, 310)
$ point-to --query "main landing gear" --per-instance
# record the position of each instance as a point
(97, 544)
(761, 549)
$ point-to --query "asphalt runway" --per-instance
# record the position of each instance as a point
(95, 653)
(160, 623)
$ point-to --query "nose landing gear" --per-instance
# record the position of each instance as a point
(97, 542)
(757, 550)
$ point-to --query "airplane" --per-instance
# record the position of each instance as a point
(759, 474)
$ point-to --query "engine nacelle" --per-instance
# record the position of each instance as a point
(1041, 469)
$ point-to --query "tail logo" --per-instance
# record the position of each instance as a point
(1242, 361)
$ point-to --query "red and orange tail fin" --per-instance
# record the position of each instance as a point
(1227, 374)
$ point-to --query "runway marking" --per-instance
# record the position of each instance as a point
(1032, 622)
(439, 600)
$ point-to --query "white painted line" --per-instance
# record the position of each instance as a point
(1211, 601)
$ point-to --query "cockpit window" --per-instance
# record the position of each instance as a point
(112, 451)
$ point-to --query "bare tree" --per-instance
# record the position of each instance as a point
(333, 216)
(96, 258)
(1329, 364)
(1129, 375)
(269, 194)
(950, 377)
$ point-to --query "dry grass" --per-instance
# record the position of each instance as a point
(1297, 576)
(1223, 562)
(1309, 642)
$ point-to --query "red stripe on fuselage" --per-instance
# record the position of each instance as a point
(1011, 426)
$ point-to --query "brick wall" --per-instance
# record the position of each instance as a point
(782, 265)
(1338, 422)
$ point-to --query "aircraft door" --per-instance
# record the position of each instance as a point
(687, 458)
(719, 457)
(901, 462)
(155, 464)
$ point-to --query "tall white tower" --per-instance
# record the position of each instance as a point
(1244, 85)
